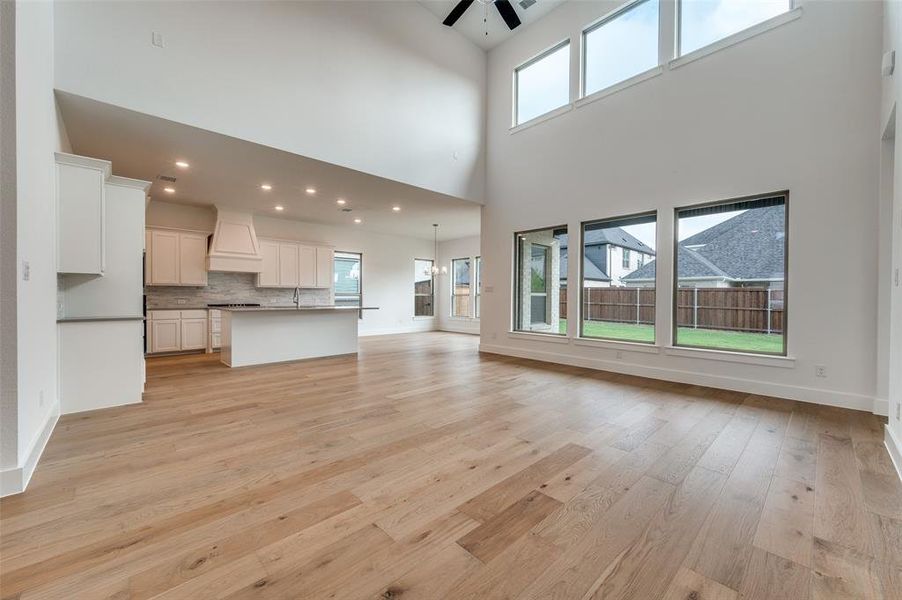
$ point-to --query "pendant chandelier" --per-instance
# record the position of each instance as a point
(435, 270)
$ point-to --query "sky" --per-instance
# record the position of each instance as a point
(627, 45)
(688, 227)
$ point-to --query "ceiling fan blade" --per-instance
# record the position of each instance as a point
(456, 12)
(507, 13)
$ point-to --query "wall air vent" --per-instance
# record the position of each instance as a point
(524, 4)
(345, 210)
(167, 178)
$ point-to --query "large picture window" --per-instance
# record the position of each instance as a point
(618, 279)
(460, 287)
(542, 84)
(423, 288)
(621, 46)
(703, 22)
(540, 278)
(730, 272)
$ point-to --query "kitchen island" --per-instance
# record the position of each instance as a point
(269, 334)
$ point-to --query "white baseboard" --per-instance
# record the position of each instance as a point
(416, 328)
(881, 407)
(764, 388)
(14, 480)
(894, 447)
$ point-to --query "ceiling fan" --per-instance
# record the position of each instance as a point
(503, 6)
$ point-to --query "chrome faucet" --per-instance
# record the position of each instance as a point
(297, 297)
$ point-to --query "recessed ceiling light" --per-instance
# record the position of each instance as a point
(279, 207)
(396, 208)
(169, 190)
(181, 164)
(358, 221)
(341, 201)
(310, 190)
(265, 186)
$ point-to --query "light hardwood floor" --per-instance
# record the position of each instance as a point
(424, 470)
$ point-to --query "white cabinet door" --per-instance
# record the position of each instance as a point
(166, 335)
(325, 267)
(288, 265)
(269, 276)
(192, 259)
(194, 334)
(307, 266)
(80, 198)
(165, 261)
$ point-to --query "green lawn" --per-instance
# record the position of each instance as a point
(711, 338)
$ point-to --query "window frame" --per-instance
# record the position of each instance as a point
(469, 293)
(598, 24)
(431, 293)
(720, 42)
(477, 295)
(516, 84)
(675, 275)
(580, 271)
(515, 285)
(546, 264)
(359, 294)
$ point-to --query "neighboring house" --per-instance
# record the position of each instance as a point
(610, 254)
(744, 251)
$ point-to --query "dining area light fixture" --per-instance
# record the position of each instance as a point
(435, 270)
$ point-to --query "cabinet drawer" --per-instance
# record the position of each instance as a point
(216, 340)
(194, 314)
(215, 325)
(215, 313)
(164, 314)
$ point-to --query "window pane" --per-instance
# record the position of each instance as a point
(618, 292)
(731, 276)
(541, 281)
(423, 288)
(347, 278)
(460, 293)
(621, 47)
(703, 22)
(543, 85)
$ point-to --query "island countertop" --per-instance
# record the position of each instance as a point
(283, 308)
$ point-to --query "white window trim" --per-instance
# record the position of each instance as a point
(647, 348)
(542, 118)
(739, 36)
(620, 86)
(785, 362)
(557, 338)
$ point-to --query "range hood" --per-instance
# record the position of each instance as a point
(234, 246)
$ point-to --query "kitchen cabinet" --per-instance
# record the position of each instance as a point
(176, 257)
(80, 197)
(291, 264)
(177, 330)
(166, 335)
(215, 330)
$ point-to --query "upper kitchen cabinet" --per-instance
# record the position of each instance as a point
(291, 264)
(176, 257)
(81, 207)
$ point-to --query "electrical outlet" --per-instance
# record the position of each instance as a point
(180, 301)
(26, 270)
(41, 398)
(157, 39)
(619, 355)
(820, 371)
(899, 411)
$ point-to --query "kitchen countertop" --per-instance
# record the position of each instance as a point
(182, 307)
(295, 308)
(90, 319)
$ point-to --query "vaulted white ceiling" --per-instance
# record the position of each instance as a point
(473, 27)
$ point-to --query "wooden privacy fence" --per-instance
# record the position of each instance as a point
(753, 309)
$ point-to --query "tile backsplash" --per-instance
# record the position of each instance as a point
(229, 287)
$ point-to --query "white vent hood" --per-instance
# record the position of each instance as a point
(234, 247)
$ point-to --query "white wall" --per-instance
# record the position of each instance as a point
(39, 134)
(890, 239)
(467, 247)
(387, 260)
(380, 87)
(794, 108)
